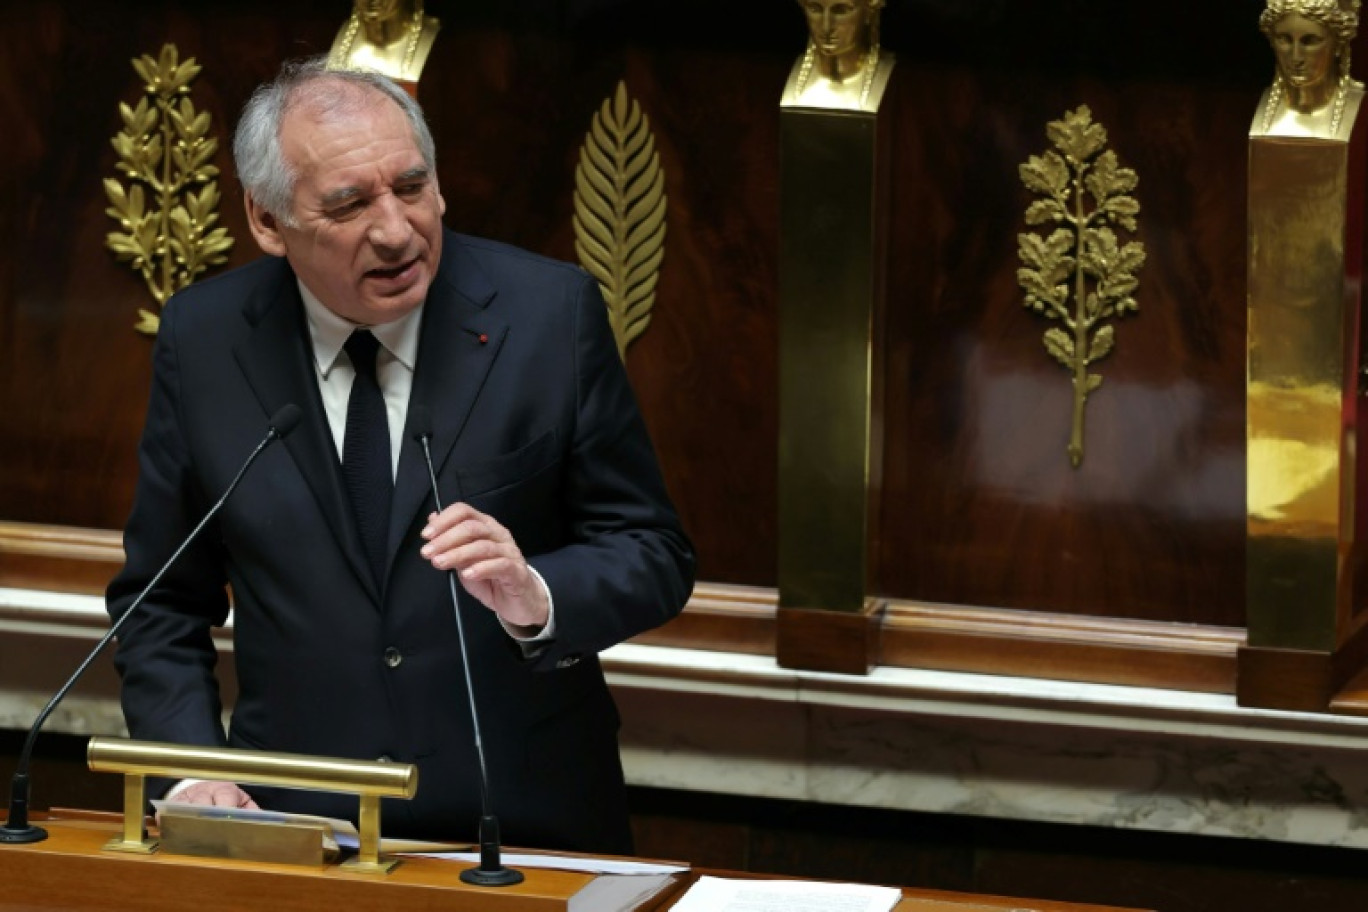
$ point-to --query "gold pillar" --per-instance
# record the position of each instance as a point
(833, 163)
(1306, 637)
(1300, 390)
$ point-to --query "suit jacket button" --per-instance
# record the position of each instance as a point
(568, 661)
(393, 657)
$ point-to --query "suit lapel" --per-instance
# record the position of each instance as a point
(460, 339)
(277, 363)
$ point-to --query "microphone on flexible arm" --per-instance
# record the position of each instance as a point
(491, 872)
(17, 829)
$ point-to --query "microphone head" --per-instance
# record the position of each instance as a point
(420, 422)
(284, 420)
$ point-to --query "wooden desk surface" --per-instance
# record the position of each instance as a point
(70, 871)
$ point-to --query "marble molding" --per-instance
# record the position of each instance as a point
(909, 739)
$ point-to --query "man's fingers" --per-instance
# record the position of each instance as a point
(218, 794)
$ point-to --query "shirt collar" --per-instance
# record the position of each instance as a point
(328, 332)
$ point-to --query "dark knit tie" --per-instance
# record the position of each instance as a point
(366, 452)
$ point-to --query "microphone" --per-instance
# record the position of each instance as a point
(17, 829)
(491, 872)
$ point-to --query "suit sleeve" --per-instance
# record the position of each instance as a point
(165, 653)
(629, 565)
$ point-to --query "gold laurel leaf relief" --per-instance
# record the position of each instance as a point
(167, 203)
(1075, 269)
(619, 213)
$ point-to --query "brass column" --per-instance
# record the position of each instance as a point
(1302, 399)
(833, 163)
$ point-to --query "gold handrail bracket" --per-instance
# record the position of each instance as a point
(368, 779)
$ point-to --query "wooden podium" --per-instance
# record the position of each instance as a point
(70, 872)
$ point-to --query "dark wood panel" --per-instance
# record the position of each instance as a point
(75, 380)
(706, 370)
(979, 505)
(509, 110)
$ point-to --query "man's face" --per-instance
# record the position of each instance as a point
(367, 237)
(1305, 50)
(836, 25)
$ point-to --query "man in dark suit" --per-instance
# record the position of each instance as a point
(558, 527)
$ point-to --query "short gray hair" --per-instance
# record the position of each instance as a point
(260, 160)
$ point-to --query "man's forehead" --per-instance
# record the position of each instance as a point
(313, 138)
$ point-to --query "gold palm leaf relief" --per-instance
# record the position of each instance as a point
(620, 208)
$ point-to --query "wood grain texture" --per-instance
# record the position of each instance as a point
(70, 872)
(988, 510)
(978, 504)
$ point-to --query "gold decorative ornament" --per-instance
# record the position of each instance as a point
(166, 152)
(868, 68)
(620, 213)
(1303, 393)
(393, 37)
(1312, 42)
(843, 67)
(1085, 191)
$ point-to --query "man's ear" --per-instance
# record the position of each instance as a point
(265, 227)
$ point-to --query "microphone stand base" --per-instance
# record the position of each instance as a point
(496, 877)
(19, 835)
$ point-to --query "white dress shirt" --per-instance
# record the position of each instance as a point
(394, 364)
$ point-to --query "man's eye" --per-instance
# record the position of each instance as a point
(346, 209)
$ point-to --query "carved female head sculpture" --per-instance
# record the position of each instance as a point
(390, 36)
(844, 35)
(839, 67)
(1311, 40)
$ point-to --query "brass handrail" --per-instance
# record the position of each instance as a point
(371, 780)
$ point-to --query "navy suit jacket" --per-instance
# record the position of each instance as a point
(534, 423)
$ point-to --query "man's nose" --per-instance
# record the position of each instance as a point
(390, 226)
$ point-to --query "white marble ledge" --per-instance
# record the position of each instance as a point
(32, 610)
(904, 691)
(927, 693)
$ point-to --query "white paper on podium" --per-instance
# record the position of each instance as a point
(717, 894)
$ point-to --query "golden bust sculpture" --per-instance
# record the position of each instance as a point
(392, 37)
(843, 66)
(1312, 94)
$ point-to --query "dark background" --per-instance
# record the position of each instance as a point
(979, 504)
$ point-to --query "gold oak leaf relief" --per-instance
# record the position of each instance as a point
(1079, 274)
(168, 211)
(619, 216)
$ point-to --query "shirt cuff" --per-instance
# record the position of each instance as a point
(179, 787)
(533, 645)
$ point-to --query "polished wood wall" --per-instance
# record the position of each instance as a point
(979, 504)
